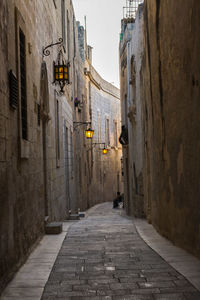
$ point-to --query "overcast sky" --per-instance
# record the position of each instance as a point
(103, 28)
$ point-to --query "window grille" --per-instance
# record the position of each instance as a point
(23, 85)
(13, 86)
(63, 22)
(57, 132)
(107, 132)
(115, 134)
(38, 114)
(68, 35)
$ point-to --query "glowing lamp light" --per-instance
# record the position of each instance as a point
(61, 74)
(89, 133)
(104, 150)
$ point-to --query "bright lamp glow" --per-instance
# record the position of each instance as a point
(105, 151)
(89, 133)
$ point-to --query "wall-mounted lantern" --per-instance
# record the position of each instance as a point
(60, 67)
(104, 150)
(61, 73)
(88, 132)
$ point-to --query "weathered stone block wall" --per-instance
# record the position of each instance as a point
(105, 169)
(136, 127)
(131, 54)
(82, 158)
(22, 186)
(171, 114)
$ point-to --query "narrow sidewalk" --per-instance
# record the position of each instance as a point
(30, 280)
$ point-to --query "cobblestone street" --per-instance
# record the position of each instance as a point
(103, 257)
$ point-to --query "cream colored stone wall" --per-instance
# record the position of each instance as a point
(164, 139)
(25, 166)
(53, 170)
(105, 169)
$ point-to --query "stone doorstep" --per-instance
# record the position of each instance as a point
(74, 217)
(53, 228)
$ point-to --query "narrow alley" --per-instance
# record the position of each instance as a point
(104, 257)
(99, 149)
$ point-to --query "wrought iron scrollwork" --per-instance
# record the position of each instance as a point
(46, 52)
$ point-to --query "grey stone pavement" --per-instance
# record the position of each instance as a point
(104, 257)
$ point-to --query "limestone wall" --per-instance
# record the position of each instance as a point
(171, 103)
(98, 176)
(33, 175)
(131, 54)
(163, 117)
(106, 169)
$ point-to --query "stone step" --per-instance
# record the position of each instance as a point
(74, 217)
(53, 228)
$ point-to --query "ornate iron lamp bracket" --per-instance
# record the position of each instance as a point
(80, 123)
(45, 50)
(94, 144)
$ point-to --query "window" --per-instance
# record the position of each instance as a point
(115, 134)
(13, 87)
(72, 155)
(57, 132)
(66, 161)
(80, 174)
(107, 133)
(125, 111)
(38, 114)
(74, 36)
(63, 22)
(68, 36)
(99, 127)
(22, 52)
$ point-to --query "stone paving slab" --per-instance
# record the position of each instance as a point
(103, 257)
(183, 262)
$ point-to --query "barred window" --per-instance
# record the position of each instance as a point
(22, 47)
(57, 132)
(63, 22)
(107, 132)
(115, 134)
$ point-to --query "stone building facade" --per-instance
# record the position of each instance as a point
(131, 49)
(105, 116)
(98, 175)
(45, 165)
(36, 124)
(165, 47)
